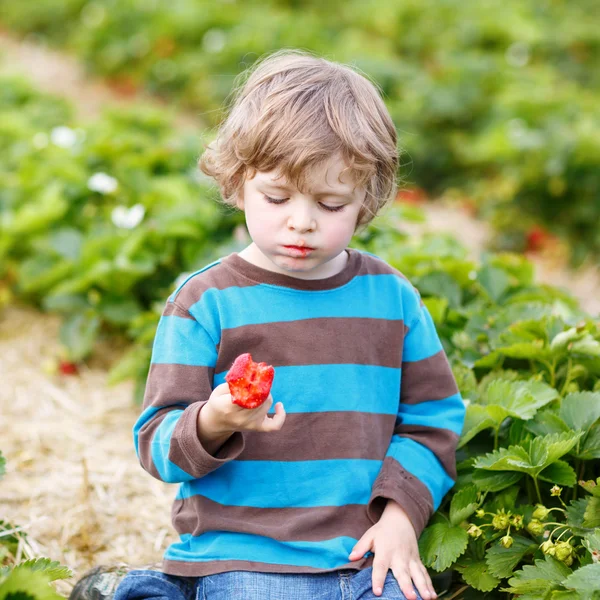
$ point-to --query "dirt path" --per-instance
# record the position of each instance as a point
(73, 481)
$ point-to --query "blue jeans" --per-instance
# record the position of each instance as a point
(347, 584)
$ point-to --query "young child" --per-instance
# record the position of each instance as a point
(323, 491)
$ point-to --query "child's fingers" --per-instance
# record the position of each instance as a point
(274, 423)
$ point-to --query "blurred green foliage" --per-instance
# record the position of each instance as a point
(497, 99)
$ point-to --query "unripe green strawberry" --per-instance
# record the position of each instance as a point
(535, 527)
(541, 512)
(555, 490)
(474, 531)
(564, 550)
(548, 547)
(517, 521)
(480, 513)
(506, 541)
(501, 520)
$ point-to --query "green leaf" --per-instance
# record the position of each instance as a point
(51, 568)
(593, 487)
(576, 513)
(559, 472)
(542, 577)
(494, 281)
(590, 448)
(502, 561)
(591, 517)
(476, 419)
(592, 541)
(441, 544)
(580, 410)
(463, 504)
(520, 399)
(78, 333)
(25, 583)
(587, 346)
(532, 457)
(2, 465)
(585, 578)
(476, 574)
(488, 481)
(545, 422)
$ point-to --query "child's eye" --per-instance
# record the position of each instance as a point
(331, 208)
(326, 207)
(274, 200)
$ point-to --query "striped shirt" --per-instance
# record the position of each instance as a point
(373, 413)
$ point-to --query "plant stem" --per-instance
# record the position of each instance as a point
(537, 489)
(459, 591)
(568, 378)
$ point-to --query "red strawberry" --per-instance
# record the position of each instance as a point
(537, 238)
(249, 382)
(66, 367)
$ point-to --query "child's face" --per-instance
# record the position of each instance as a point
(299, 234)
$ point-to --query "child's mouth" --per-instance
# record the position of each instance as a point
(299, 251)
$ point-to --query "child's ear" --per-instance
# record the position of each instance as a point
(239, 202)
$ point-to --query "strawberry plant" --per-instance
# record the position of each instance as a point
(524, 515)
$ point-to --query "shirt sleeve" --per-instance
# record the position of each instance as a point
(179, 384)
(420, 465)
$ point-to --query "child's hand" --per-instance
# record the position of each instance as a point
(222, 416)
(394, 543)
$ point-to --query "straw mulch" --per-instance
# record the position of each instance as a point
(73, 482)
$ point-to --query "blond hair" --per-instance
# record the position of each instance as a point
(292, 110)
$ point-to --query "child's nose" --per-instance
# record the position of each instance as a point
(301, 219)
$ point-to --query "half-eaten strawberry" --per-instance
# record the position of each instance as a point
(249, 382)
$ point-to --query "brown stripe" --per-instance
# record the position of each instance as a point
(322, 436)
(169, 384)
(395, 483)
(427, 379)
(442, 442)
(319, 341)
(197, 515)
(202, 569)
(172, 309)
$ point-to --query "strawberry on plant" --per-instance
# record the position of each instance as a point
(249, 382)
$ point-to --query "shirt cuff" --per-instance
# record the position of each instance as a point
(394, 483)
(200, 461)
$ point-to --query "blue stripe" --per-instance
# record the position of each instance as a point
(446, 414)
(161, 443)
(238, 306)
(309, 388)
(422, 340)
(183, 342)
(287, 484)
(227, 545)
(423, 464)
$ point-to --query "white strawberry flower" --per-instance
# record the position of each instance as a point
(63, 136)
(102, 183)
(128, 218)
